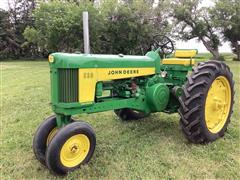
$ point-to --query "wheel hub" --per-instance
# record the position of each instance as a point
(218, 104)
(74, 150)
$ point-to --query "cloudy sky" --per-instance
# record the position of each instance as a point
(192, 44)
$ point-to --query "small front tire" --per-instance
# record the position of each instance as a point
(43, 136)
(73, 146)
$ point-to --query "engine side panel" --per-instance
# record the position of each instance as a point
(90, 76)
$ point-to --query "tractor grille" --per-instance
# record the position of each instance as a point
(68, 85)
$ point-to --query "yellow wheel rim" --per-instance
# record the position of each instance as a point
(52, 133)
(218, 103)
(74, 150)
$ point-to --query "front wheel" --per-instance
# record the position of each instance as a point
(72, 146)
(43, 136)
(45, 132)
(207, 102)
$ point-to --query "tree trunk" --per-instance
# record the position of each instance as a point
(213, 51)
(215, 54)
(236, 49)
(238, 54)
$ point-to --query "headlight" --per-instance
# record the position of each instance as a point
(50, 58)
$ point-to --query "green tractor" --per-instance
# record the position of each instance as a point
(133, 87)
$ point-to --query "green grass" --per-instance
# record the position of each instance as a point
(204, 56)
(152, 148)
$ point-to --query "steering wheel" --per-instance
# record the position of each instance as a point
(164, 43)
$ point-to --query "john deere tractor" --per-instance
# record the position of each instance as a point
(133, 87)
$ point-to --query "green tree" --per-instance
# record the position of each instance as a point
(20, 16)
(34, 39)
(226, 14)
(131, 25)
(125, 27)
(194, 21)
(7, 45)
(58, 26)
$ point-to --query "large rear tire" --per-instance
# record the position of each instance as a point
(207, 102)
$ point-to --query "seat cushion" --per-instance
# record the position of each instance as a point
(185, 53)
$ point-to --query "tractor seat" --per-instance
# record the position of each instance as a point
(182, 57)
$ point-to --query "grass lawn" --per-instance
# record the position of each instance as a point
(151, 148)
(204, 56)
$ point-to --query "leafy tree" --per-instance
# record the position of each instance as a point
(7, 44)
(161, 17)
(34, 39)
(20, 15)
(194, 21)
(12, 26)
(226, 14)
(131, 25)
(58, 26)
(126, 27)
(114, 27)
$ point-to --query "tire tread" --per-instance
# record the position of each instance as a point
(193, 97)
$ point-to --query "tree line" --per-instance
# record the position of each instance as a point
(35, 28)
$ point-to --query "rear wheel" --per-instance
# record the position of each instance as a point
(207, 102)
(130, 114)
(72, 146)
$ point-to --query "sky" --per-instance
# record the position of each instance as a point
(3, 4)
(191, 44)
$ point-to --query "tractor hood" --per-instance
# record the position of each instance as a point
(67, 60)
